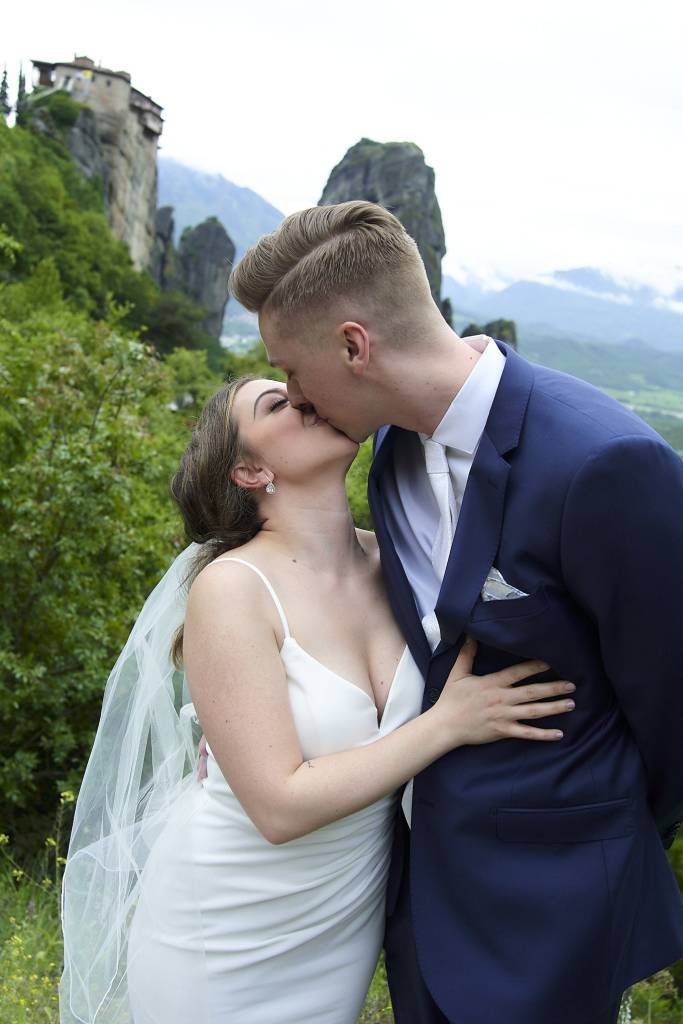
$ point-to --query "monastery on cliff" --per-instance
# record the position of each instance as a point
(121, 147)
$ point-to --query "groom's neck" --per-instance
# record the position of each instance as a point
(423, 381)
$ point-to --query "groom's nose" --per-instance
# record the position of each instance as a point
(295, 395)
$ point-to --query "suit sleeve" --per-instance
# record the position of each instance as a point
(622, 553)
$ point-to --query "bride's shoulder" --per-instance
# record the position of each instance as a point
(226, 571)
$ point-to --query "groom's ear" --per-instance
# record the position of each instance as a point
(247, 476)
(356, 346)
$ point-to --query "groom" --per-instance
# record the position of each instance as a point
(526, 509)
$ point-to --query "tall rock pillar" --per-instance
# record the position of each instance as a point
(394, 175)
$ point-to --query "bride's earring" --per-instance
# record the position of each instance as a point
(270, 487)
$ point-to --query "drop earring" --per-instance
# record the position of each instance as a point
(270, 487)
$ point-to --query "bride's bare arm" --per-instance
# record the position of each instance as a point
(239, 689)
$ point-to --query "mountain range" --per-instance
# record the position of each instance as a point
(582, 304)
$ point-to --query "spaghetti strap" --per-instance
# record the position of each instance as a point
(269, 585)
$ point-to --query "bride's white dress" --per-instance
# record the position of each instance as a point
(231, 929)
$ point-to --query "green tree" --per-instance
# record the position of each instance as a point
(89, 443)
(4, 94)
(20, 109)
(654, 1001)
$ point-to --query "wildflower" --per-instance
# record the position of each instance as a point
(4, 839)
(50, 841)
(66, 797)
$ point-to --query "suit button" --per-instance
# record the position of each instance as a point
(433, 694)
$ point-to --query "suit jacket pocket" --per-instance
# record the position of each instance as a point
(513, 607)
(581, 823)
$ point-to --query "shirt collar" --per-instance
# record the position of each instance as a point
(465, 418)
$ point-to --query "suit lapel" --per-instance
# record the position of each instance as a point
(477, 536)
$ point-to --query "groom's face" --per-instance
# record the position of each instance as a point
(316, 375)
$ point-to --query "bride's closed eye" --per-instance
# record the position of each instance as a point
(279, 404)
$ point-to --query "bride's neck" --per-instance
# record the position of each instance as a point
(316, 531)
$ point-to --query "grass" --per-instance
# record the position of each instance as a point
(31, 954)
(30, 936)
(377, 1009)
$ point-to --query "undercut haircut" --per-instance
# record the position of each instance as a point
(328, 251)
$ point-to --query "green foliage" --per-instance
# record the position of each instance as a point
(377, 1007)
(656, 1001)
(30, 936)
(20, 108)
(356, 486)
(89, 442)
(254, 361)
(61, 108)
(56, 214)
(504, 330)
(9, 248)
(4, 95)
(174, 321)
(52, 213)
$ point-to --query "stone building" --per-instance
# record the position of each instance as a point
(121, 146)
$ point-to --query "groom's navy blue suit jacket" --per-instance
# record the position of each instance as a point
(539, 882)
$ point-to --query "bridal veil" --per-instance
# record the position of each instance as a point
(142, 763)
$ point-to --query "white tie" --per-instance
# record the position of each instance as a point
(439, 478)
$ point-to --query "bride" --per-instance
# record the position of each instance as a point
(256, 894)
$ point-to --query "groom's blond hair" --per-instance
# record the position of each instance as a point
(323, 252)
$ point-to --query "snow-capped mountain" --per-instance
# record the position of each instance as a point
(584, 303)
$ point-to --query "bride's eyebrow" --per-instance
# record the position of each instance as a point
(271, 391)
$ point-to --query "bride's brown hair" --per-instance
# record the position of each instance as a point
(217, 513)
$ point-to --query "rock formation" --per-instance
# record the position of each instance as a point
(162, 261)
(114, 139)
(205, 258)
(199, 267)
(395, 175)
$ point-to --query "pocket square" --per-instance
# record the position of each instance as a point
(496, 588)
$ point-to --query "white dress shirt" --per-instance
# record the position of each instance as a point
(412, 511)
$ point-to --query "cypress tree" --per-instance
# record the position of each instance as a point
(4, 95)
(20, 108)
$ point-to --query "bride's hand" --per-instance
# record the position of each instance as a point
(481, 709)
(202, 771)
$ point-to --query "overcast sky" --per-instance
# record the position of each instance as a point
(555, 129)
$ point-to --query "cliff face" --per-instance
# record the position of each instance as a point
(162, 261)
(395, 175)
(115, 148)
(114, 138)
(199, 267)
(205, 257)
(130, 192)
